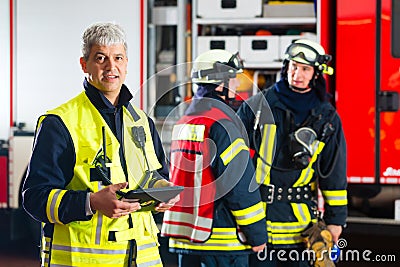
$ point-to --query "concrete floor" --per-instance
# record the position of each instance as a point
(24, 254)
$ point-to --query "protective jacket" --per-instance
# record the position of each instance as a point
(109, 241)
(289, 193)
(218, 212)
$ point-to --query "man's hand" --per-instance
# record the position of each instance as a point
(259, 248)
(336, 231)
(106, 202)
(162, 183)
(165, 206)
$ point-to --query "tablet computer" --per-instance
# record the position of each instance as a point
(150, 197)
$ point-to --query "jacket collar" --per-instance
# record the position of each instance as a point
(101, 102)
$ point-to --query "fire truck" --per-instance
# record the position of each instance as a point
(364, 37)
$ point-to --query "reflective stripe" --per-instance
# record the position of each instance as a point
(307, 173)
(147, 246)
(224, 233)
(99, 221)
(232, 150)
(222, 245)
(98, 228)
(189, 132)
(45, 250)
(89, 250)
(150, 263)
(335, 197)
(198, 180)
(192, 232)
(151, 257)
(249, 215)
(53, 202)
(281, 227)
(285, 239)
(186, 218)
(267, 153)
(301, 212)
(147, 255)
(290, 232)
(84, 256)
(220, 240)
(286, 232)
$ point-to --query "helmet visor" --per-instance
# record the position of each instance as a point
(235, 62)
(306, 53)
(220, 70)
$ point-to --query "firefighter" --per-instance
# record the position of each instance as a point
(220, 219)
(299, 147)
(87, 153)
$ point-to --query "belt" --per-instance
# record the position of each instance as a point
(270, 193)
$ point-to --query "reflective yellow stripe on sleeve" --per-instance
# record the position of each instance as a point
(249, 215)
(232, 150)
(335, 197)
(53, 202)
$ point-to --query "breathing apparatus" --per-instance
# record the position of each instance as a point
(302, 146)
(311, 53)
(302, 143)
(217, 66)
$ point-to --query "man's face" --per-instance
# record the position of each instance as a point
(106, 69)
(299, 74)
(234, 83)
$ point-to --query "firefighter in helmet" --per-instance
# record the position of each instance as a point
(299, 147)
(219, 221)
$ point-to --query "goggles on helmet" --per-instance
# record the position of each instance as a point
(235, 62)
(307, 53)
(222, 70)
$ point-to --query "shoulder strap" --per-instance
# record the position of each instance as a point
(132, 111)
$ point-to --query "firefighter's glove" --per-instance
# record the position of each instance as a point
(318, 239)
(313, 233)
(322, 255)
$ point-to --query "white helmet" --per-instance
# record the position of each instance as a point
(308, 52)
(215, 66)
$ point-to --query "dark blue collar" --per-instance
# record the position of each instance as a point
(299, 103)
(101, 102)
(204, 91)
